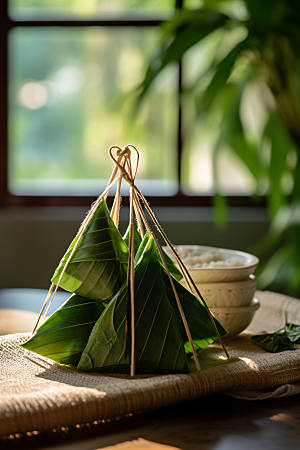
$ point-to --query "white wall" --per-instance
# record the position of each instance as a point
(32, 240)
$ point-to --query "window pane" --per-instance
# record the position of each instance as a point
(234, 178)
(71, 99)
(29, 9)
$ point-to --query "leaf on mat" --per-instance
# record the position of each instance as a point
(273, 342)
(159, 332)
(99, 264)
(64, 335)
(293, 332)
(288, 338)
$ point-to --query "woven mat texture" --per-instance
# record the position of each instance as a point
(39, 394)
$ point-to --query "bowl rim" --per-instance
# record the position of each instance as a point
(254, 305)
(249, 282)
(253, 260)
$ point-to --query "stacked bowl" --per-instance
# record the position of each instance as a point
(226, 282)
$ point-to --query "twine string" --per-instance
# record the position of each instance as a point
(115, 210)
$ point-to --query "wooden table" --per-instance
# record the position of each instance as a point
(218, 422)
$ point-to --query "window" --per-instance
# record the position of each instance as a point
(70, 68)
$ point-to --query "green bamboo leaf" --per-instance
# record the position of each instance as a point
(222, 72)
(188, 28)
(99, 264)
(287, 338)
(137, 239)
(201, 328)
(174, 271)
(279, 267)
(64, 335)
(159, 330)
(281, 145)
(273, 342)
(159, 346)
(293, 333)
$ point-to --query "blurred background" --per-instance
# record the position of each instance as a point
(208, 91)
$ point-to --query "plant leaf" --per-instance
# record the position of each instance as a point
(188, 28)
(159, 346)
(99, 264)
(137, 239)
(281, 145)
(222, 72)
(201, 328)
(64, 335)
(273, 342)
(174, 271)
(284, 339)
(293, 333)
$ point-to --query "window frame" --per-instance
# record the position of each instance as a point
(9, 199)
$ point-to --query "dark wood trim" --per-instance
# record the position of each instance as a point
(85, 23)
(179, 199)
(3, 103)
(180, 129)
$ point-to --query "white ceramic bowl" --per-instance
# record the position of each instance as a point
(246, 263)
(228, 293)
(236, 318)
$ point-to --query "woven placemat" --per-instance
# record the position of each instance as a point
(38, 394)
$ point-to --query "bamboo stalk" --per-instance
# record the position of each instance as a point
(128, 304)
(115, 210)
(131, 253)
(142, 215)
(138, 215)
(135, 197)
(44, 306)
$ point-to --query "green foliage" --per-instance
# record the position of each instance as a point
(64, 335)
(288, 338)
(98, 266)
(263, 63)
(174, 271)
(137, 239)
(160, 334)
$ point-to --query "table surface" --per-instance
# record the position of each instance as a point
(218, 422)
